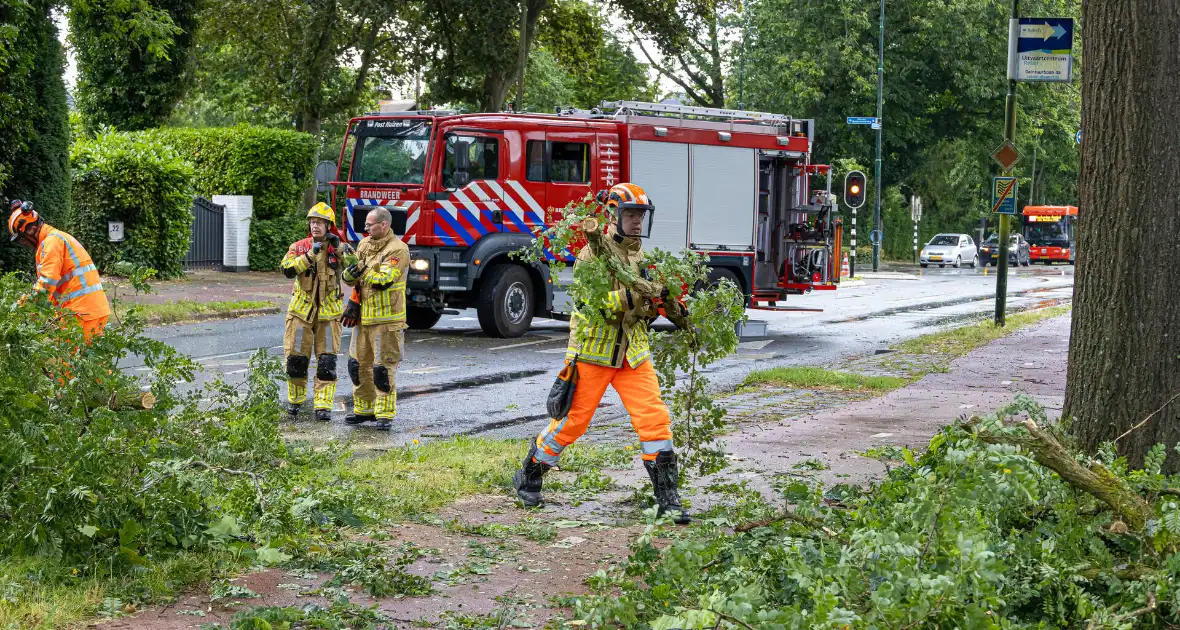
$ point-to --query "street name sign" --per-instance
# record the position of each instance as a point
(862, 120)
(1004, 195)
(1040, 49)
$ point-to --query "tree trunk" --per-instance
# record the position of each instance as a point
(1124, 353)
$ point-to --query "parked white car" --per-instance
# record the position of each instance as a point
(952, 249)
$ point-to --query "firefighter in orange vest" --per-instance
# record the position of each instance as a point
(64, 268)
(617, 354)
(313, 317)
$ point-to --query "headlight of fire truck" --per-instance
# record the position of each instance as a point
(420, 264)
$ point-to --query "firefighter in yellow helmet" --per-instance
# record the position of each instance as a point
(617, 354)
(313, 317)
(379, 281)
(64, 268)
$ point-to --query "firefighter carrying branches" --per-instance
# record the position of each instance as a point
(615, 353)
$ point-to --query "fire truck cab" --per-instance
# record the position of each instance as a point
(466, 190)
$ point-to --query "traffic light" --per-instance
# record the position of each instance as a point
(854, 189)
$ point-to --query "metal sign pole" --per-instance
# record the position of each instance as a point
(877, 227)
(1010, 136)
(852, 257)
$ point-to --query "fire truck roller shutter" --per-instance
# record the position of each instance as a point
(724, 197)
(661, 169)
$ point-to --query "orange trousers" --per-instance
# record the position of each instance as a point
(92, 327)
(640, 390)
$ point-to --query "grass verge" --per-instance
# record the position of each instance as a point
(956, 342)
(170, 312)
(816, 378)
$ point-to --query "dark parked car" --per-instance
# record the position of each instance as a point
(1018, 251)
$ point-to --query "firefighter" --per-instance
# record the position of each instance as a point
(616, 354)
(379, 281)
(313, 317)
(64, 268)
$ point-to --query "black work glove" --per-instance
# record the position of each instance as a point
(382, 286)
(334, 241)
(352, 314)
(316, 247)
(290, 272)
(355, 271)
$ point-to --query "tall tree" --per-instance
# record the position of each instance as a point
(34, 134)
(473, 47)
(132, 56)
(1124, 349)
(601, 66)
(310, 58)
(695, 39)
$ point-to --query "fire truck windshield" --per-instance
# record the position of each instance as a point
(394, 154)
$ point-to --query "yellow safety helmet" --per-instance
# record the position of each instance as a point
(322, 211)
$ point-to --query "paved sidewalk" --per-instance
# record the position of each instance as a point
(209, 286)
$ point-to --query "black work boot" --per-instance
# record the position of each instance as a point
(353, 417)
(323, 415)
(665, 476)
(292, 410)
(527, 480)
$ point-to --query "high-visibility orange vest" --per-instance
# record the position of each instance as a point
(66, 272)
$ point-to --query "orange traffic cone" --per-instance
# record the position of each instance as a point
(844, 271)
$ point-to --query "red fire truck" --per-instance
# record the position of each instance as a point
(1051, 232)
(472, 188)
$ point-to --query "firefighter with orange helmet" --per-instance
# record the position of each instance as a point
(615, 353)
(313, 316)
(64, 268)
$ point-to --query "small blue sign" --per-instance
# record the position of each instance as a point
(1004, 195)
(862, 120)
(1078, 138)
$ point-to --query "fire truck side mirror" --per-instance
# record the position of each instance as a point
(462, 162)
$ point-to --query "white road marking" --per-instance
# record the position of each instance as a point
(754, 345)
(433, 369)
(528, 343)
(880, 435)
(463, 319)
(552, 351)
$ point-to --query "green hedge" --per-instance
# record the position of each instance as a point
(129, 178)
(272, 165)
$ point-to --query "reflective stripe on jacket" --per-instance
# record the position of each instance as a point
(316, 293)
(66, 271)
(608, 343)
(385, 262)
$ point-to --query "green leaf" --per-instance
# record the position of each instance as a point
(88, 531)
(270, 556)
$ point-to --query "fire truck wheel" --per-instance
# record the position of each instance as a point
(418, 318)
(505, 304)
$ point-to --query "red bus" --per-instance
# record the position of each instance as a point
(1051, 232)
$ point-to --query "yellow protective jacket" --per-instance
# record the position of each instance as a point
(382, 262)
(66, 272)
(625, 334)
(316, 294)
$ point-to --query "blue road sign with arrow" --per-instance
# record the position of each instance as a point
(1078, 137)
(862, 120)
(1044, 50)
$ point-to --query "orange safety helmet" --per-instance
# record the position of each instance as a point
(23, 215)
(623, 197)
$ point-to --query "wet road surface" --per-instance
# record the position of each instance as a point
(455, 380)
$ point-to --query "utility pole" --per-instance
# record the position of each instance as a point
(1033, 180)
(1010, 136)
(877, 231)
(524, 52)
(742, 63)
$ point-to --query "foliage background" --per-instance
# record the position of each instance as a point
(34, 136)
(148, 186)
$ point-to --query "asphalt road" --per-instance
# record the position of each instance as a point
(455, 380)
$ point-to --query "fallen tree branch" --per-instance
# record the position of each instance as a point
(786, 516)
(1144, 421)
(1096, 479)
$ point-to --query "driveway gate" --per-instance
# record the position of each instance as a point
(206, 247)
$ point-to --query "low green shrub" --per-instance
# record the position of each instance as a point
(90, 477)
(973, 533)
(122, 177)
